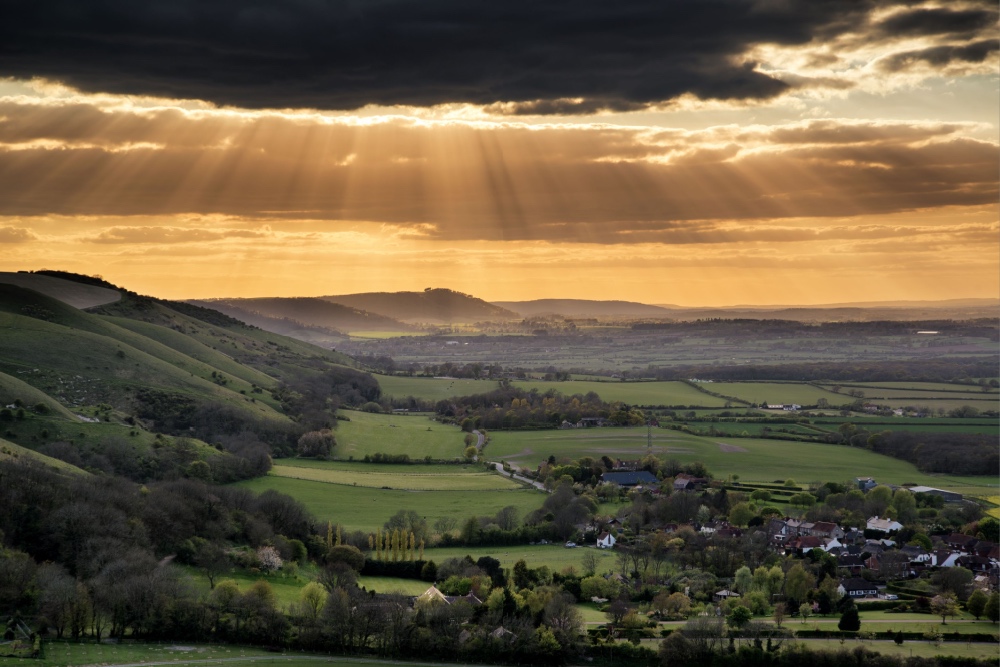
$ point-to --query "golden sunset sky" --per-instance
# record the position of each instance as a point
(711, 153)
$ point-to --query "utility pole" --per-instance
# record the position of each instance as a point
(649, 436)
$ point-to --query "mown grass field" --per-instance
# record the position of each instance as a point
(775, 392)
(432, 389)
(364, 508)
(367, 434)
(633, 393)
(399, 477)
(751, 458)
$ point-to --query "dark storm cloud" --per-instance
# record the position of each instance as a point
(538, 56)
(937, 21)
(940, 56)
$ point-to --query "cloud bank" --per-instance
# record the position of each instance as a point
(515, 56)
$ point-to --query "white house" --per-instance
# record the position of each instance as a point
(884, 525)
(605, 540)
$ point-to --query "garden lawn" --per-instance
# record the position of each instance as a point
(365, 509)
(414, 435)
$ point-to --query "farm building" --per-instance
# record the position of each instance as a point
(949, 496)
(634, 478)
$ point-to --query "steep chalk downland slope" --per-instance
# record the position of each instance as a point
(76, 294)
(429, 306)
(55, 347)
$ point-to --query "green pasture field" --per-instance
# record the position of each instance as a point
(554, 556)
(393, 585)
(633, 393)
(432, 389)
(750, 458)
(756, 429)
(876, 394)
(936, 404)
(368, 433)
(286, 587)
(365, 509)
(974, 427)
(361, 466)
(399, 477)
(775, 392)
(937, 387)
(185, 654)
(68, 654)
(921, 649)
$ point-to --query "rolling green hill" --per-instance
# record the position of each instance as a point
(140, 385)
(431, 305)
(77, 294)
(9, 450)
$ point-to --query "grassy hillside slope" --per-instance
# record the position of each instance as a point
(12, 389)
(76, 294)
(84, 359)
(9, 450)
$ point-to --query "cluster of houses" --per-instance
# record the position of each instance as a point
(856, 554)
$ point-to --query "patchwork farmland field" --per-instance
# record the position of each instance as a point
(634, 393)
(443, 478)
(414, 435)
(762, 460)
(365, 508)
(432, 389)
(775, 392)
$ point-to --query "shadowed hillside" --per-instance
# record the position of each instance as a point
(430, 306)
(283, 314)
